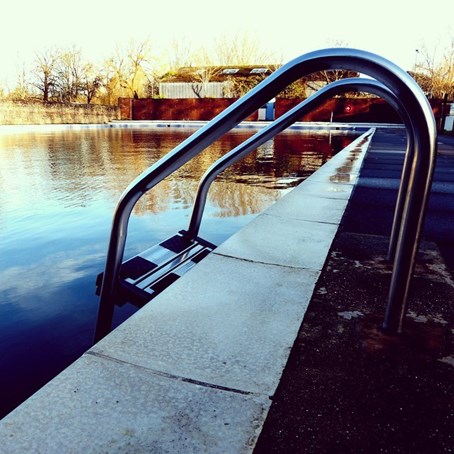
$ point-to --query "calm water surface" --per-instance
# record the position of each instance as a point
(58, 191)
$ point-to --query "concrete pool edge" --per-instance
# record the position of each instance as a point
(155, 124)
(196, 343)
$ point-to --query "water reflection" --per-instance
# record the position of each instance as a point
(101, 163)
(57, 195)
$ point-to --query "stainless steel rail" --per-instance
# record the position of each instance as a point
(422, 125)
(403, 187)
(354, 84)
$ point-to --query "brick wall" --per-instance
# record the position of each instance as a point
(341, 109)
(175, 109)
(125, 108)
(353, 110)
(344, 109)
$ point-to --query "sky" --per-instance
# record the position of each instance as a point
(288, 28)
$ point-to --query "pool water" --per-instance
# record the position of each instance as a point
(58, 191)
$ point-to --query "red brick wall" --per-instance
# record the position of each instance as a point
(125, 108)
(344, 109)
(178, 109)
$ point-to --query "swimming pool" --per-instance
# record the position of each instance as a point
(58, 190)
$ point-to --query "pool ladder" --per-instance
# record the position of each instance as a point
(141, 278)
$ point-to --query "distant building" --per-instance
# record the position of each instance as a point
(211, 81)
(235, 81)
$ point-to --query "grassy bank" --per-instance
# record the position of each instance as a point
(17, 113)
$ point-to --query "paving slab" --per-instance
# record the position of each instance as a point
(345, 167)
(101, 406)
(322, 186)
(227, 322)
(302, 244)
(309, 208)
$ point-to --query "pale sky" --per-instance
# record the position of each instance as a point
(391, 28)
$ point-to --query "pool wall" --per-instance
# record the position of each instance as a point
(30, 113)
(309, 126)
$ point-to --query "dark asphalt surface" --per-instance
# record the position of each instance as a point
(375, 196)
(348, 387)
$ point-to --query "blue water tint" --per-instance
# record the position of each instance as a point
(58, 191)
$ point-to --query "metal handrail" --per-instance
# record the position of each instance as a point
(350, 84)
(424, 133)
(401, 193)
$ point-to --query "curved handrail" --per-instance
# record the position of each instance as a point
(401, 194)
(422, 126)
(350, 84)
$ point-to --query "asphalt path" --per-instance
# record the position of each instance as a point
(372, 206)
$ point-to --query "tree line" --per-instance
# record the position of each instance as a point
(435, 75)
(65, 76)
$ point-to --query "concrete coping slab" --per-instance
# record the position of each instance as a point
(194, 370)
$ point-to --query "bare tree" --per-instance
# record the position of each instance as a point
(179, 54)
(241, 49)
(69, 74)
(91, 82)
(138, 60)
(113, 76)
(21, 91)
(435, 74)
(128, 71)
(46, 72)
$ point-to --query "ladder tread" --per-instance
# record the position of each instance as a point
(147, 274)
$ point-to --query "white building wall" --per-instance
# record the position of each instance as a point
(194, 90)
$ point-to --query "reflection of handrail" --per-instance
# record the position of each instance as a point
(283, 122)
(422, 127)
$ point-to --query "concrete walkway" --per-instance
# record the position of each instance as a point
(195, 370)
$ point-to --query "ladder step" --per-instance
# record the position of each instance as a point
(149, 273)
